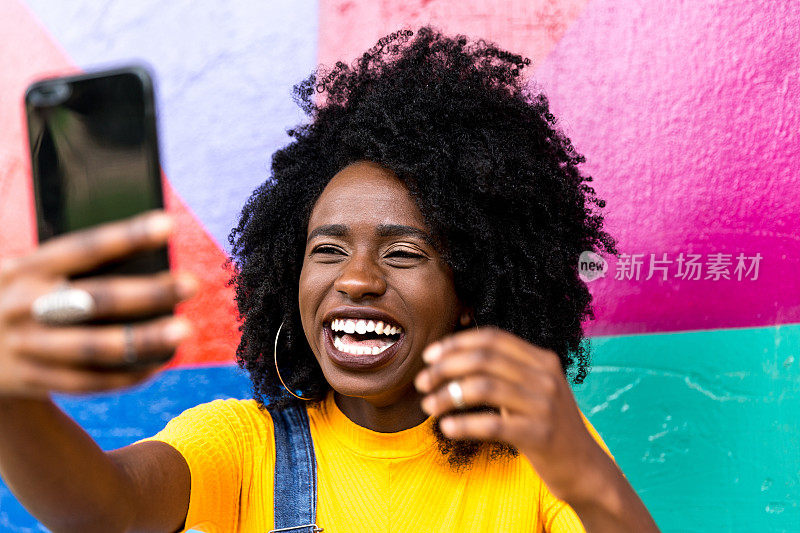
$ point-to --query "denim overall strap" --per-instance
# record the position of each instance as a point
(295, 472)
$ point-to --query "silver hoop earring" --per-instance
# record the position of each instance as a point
(275, 356)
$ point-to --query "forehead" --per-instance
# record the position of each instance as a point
(365, 193)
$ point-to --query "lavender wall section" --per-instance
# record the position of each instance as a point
(225, 75)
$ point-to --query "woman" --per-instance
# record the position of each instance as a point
(410, 301)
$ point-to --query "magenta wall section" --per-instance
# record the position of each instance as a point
(689, 116)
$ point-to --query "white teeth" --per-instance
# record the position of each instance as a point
(355, 349)
(350, 325)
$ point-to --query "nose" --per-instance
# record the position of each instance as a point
(360, 278)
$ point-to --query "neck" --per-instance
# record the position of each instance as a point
(401, 413)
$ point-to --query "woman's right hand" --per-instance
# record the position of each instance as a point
(36, 359)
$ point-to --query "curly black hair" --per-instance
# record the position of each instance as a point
(496, 181)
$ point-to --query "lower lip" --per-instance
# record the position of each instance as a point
(359, 362)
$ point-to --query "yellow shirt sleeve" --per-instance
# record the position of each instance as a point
(216, 439)
(556, 515)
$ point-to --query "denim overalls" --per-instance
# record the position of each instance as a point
(295, 472)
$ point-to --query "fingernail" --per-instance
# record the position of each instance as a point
(177, 330)
(447, 425)
(422, 382)
(186, 286)
(432, 353)
(159, 224)
(427, 404)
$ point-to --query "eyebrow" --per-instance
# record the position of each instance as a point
(328, 230)
(384, 230)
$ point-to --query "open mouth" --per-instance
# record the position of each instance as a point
(363, 337)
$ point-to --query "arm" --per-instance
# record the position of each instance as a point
(64, 479)
(55, 469)
(607, 502)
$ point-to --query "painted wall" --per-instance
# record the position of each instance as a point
(688, 114)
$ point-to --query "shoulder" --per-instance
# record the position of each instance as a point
(226, 411)
(228, 420)
(227, 445)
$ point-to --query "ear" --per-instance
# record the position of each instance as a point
(466, 319)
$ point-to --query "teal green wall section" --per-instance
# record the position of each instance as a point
(705, 425)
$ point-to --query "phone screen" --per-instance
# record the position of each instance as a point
(94, 154)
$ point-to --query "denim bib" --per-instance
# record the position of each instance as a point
(295, 472)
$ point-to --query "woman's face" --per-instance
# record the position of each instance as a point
(373, 290)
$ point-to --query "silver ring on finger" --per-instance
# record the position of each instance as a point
(63, 306)
(456, 394)
(129, 355)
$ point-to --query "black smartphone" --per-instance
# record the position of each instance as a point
(94, 156)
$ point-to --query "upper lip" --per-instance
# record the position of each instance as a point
(366, 313)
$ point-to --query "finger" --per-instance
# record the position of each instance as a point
(37, 378)
(491, 337)
(84, 250)
(129, 296)
(485, 390)
(114, 297)
(491, 427)
(462, 363)
(153, 342)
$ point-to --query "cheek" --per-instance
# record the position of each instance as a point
(449, 309)
(308, 296)
(436, 305)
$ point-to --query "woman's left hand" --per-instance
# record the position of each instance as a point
(537, 411)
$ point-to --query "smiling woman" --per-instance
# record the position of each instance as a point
(430, 193)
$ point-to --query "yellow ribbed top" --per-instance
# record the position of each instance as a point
(367, 481)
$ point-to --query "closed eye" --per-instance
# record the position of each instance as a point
(327, 251)
(405, 257)
(404, 254)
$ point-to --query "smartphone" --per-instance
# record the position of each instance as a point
(94, 156)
